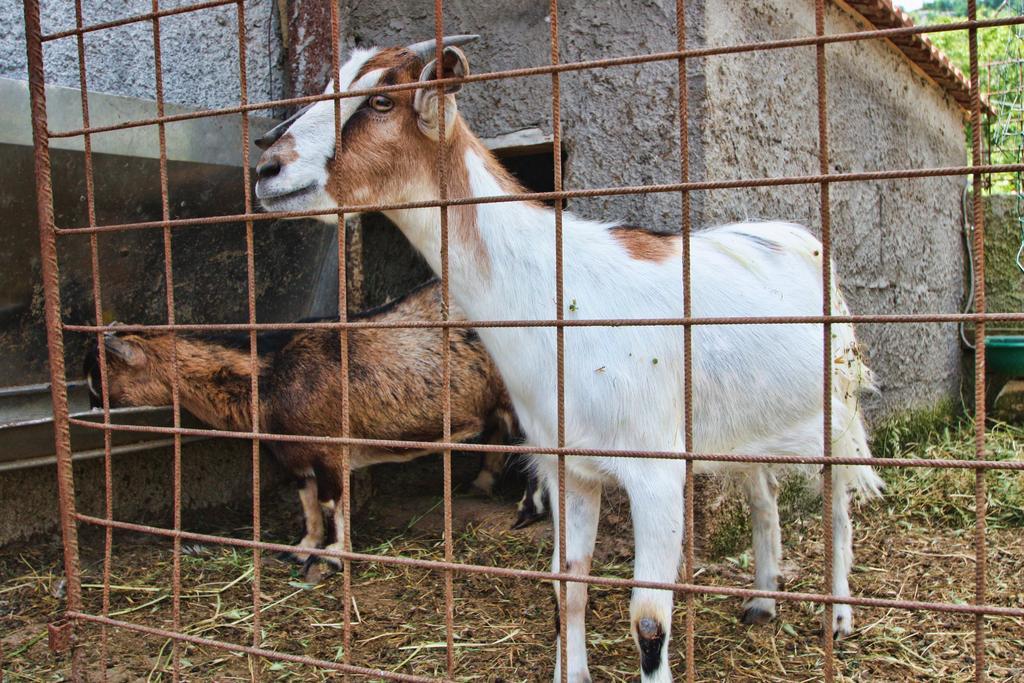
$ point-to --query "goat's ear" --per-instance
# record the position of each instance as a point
(453, 65)
(124, 350)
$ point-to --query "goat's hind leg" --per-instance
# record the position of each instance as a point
(318, 566)
(842, 556)
(330, 488)
(761, 488)
(849, 440)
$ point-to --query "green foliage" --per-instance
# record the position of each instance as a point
(957, 7)
(927, 496)
(912, 429)
(1001, 83)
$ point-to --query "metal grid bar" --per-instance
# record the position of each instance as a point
(254, 365)
(345, 533)
(825, 213)
(685, 229)
(980, 491)
(156, 14)
(437, 565)
(254, 652)
(165, 210)
(571, 194)
(97, 294)
(446, 355)
(561, 68)
(918, 318)
(52, 307)
(49, 232)
(562, 614)
(619, 453)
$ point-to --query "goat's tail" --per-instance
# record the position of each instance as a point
(851, 378)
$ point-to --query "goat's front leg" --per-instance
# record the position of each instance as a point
(582, 506)
(656, 502)
(762, 496)
(313, 516)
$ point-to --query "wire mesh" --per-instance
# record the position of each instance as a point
(449, 568)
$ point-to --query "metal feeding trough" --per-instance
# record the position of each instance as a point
(1004, 355)
(205, 179)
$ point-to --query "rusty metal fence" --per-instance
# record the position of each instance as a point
(50, 233)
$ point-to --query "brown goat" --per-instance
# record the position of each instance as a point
(395, 389)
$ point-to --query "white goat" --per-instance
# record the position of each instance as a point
(756, 388)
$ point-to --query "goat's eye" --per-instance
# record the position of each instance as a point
(381, 103)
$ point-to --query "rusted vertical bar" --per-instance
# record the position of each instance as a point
(980, 487)
(254, 364)
(684, 175)
(169, 286)
(826, 330)
(344, 534)
(309, 53)
(446, 360)
(51, 307)
(556, 141)
(97, 296)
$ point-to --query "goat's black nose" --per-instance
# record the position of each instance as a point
(269, 168)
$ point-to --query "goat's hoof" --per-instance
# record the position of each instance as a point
(291, 558)
(757, 616)
(316, 570)
(842, 621)
(525, 519)
(758, 611)
(651, 639)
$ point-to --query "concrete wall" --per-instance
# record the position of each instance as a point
(199, 50)
(897, 243)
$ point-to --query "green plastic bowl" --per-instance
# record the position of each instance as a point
(1004, 354)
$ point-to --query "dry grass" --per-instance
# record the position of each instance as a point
(917, 544)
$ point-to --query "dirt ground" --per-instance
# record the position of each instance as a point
(916, 544)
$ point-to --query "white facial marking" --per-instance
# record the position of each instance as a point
(300, 184)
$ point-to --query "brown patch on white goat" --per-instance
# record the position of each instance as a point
(285, 150)
(644, 245)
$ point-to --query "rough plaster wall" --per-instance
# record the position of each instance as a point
(896, 243)
(600, 108)
(199, 50)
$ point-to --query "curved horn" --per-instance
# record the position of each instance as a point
(427, 49)
(275, 133)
